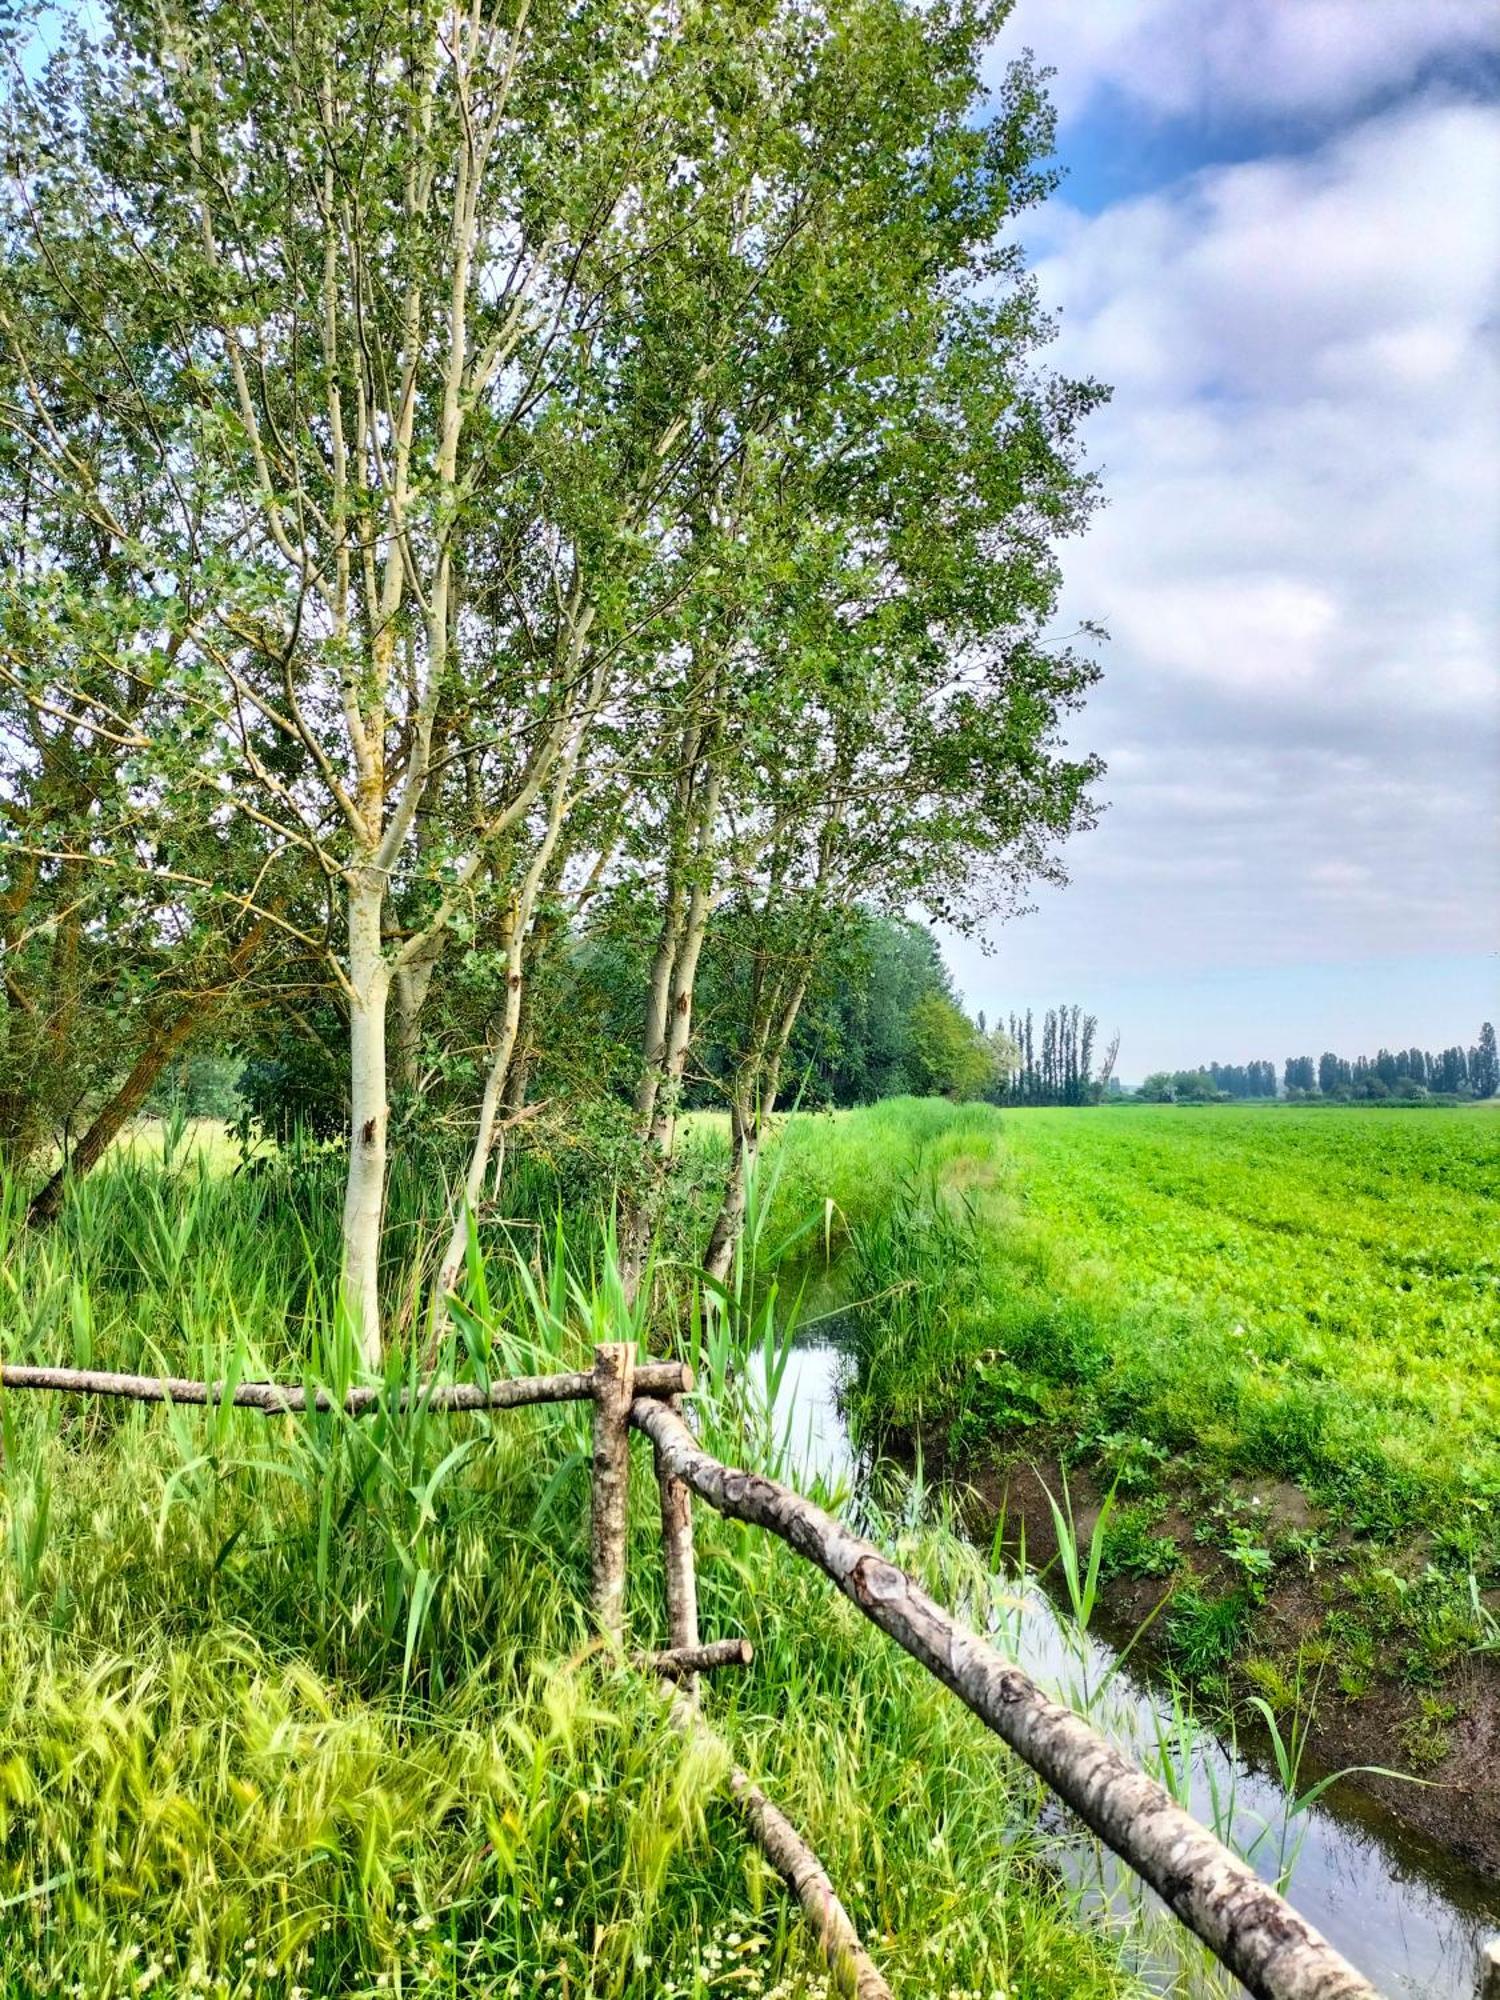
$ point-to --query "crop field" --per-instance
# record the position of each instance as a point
(1310, 1292)
(1271, 1334)
(1339, 1270)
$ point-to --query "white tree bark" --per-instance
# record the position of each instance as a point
(364, 1193)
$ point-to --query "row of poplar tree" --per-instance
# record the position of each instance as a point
(1456, 1071)
(497, 499)
(1052, 1063)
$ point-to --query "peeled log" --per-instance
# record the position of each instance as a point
(794, 1861)
(679, 1567)
(665, 1378)
(1248, 1927)
(614, 1375)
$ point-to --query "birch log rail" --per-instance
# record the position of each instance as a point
(1249, 1928)
(274, 1399)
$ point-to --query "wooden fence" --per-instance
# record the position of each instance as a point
(1249, 1928)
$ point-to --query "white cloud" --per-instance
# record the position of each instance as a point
(1198, 58)
(1299, 563)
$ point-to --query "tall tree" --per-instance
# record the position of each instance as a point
(1484, 1069)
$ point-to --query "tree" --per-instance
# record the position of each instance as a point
(338, 312)
(852, 1042)
(1484, 1070)
(949, 1057)
(1193, 1086)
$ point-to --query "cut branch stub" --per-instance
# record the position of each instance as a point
(614, 1371)
(1249, 1928)
(681, 1663)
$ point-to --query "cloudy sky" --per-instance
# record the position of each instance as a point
(1279, 241)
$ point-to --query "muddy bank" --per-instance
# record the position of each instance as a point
(1456, 1808)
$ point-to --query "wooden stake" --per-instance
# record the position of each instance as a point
(614, 1372)
(680, 1566)
(1249, 1928)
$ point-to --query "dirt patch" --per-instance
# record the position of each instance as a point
(1448, 1735)
(1278, 1502)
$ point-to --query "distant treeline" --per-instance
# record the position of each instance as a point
(1456, 1071)
(1414, 1072)
(1254, 1079)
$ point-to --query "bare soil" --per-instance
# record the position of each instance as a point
(1456, 1807)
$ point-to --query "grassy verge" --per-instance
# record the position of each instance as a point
(309, 1706)
(1273, 1332)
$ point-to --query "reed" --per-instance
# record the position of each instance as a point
(311, 1703)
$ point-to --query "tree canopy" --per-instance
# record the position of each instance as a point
(486, 487)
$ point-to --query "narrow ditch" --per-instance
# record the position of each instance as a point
(1410, 1916)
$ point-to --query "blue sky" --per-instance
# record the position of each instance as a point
(1279, 241)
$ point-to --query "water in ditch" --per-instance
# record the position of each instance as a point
(1410, 1917)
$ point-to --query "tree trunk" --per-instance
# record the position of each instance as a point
(364, 1195)
(487, 1132)
(117, 1111)
(517, 931)
(669, 1033)
(744, 1146)
(412, 984)
(753, 1103)
(115, 1114)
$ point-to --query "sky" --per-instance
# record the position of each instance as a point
(1278, 240)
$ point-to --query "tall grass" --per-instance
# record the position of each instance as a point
(311, 1705)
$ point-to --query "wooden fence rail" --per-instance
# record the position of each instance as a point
(274, 1399)
(1252, 1930)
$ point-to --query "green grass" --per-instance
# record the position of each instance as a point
(1203, 1299)
(310, 1706)
(1308, 1293)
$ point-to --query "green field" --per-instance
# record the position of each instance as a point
(1190, 1301)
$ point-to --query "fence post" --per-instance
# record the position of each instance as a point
(677, 1560)
(614, 1372)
